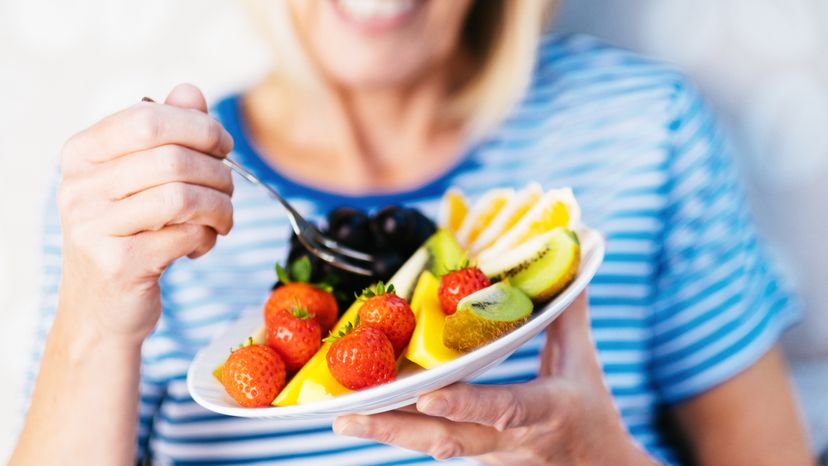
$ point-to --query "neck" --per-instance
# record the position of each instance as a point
(379, 123)
(366, 136)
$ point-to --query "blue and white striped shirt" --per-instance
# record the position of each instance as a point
(684, 301)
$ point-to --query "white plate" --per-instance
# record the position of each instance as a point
(209, 393)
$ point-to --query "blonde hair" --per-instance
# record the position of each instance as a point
(501, 35)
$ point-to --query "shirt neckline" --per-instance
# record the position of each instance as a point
(229, 111)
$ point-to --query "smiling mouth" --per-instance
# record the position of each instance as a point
(376, 15)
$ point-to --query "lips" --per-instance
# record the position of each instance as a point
(376, 15)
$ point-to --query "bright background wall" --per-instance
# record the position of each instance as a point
(65, 64)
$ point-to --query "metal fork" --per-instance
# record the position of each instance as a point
(318, 244)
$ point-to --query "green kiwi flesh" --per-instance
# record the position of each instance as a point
(486, 315)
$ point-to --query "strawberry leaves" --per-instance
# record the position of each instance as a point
(282, 274)
(300, 312)
(378, 290)
(301, 270)
(349, 327)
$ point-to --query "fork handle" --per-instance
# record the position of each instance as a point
(249, 176)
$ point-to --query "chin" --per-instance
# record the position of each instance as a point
(371, 73)
(375, 43)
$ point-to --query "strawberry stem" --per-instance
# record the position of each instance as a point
(349, 327)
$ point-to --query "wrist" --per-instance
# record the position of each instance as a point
(78, 328)
(102, 310)
(78, 339)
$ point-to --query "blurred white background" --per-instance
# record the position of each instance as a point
(762, 62)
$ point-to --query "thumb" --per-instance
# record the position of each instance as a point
(187, 96)
(570, 349)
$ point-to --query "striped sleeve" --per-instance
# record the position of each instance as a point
(150, 393)
(719, 305)
(49, 282)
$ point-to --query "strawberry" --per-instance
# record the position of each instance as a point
(458, 284)
(253, 375)
(389, 313)
(315, 299)
(295, 335)
(361, 357)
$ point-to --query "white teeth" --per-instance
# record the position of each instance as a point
(375, 9)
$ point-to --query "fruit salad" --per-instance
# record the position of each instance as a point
(472, 278)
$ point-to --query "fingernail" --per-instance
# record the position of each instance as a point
(436, 406)
(351, 428)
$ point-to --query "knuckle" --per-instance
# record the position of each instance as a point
(203, 238)
(149, 124)
(208, 238)
(68, 152)
(520, 435)
(226, 223)
(513, 412)
(212, 133)
(115, 262)
(174, 161)
(178, 198)
(385, 435)
(446, 446)
(227, 181)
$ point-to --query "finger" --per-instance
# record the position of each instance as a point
(143, 126)
(169, 204)
(569, 341)
(499, 406)
(186, 95)
(572, 327)
(433, 436)
(409, 409)
(173, 242)
(147, 169)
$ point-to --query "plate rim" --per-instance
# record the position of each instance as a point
(593, 249)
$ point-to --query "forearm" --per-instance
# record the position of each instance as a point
(84, 405)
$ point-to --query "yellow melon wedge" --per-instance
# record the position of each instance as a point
(314, 380)
(508, 216)
(481, 214)
(453, 209)
(556, 208)
(426, 347)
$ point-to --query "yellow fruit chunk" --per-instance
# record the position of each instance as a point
(314, 380)
(508, 216)
(555, 209)
(426, 347)
(453, 209)
(482, 213)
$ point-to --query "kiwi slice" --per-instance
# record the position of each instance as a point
(485, 315)
(445, 254)
(540, 267)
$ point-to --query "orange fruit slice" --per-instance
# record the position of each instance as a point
(556, 208)
(508, 216)
(453, 209)
(482, 213)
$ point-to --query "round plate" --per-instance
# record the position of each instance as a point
(209, 393)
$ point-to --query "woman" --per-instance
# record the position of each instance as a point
(383, 102)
